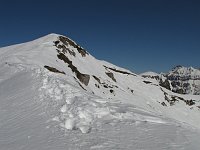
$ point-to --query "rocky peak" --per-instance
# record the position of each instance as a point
(177, 67)
(184, 73)
(182, 80)
(185, 80)
(64, 42)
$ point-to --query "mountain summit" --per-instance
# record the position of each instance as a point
(52, 91)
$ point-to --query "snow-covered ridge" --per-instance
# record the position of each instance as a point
(149, 73)
(185, 72)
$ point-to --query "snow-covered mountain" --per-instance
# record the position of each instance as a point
(52, 91)
(182, 80)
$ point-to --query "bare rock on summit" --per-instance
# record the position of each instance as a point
(67, 41)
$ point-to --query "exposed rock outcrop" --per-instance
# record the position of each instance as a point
(111, 75)
(165, 84)
(54, 70)
(68, 41)
(84, 78)
(119, 71)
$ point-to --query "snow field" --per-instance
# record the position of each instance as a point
(47, 111)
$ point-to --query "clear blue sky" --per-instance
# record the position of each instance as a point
(140, 35)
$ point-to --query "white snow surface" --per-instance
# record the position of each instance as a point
(40, 109)
(150, 73)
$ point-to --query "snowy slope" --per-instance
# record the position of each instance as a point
(149, 73)
(52, 91)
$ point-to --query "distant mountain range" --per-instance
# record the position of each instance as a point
(182, 80)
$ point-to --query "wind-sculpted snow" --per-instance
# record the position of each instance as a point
(79, 110)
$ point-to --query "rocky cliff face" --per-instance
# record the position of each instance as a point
(185, 80)
(182, 80)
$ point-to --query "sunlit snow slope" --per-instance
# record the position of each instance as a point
(55, 95)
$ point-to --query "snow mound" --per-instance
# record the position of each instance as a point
(79, 110)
